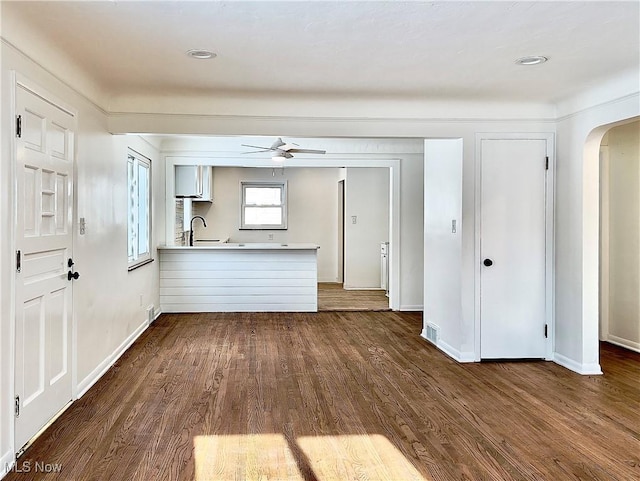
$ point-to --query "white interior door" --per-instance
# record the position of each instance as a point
(44, 167)
(512, 248)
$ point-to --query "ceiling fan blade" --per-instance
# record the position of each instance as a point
(266, 149)
(307, 151)
(282, 149)
(256, 151)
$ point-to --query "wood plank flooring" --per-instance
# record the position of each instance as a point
(338, 396)
(333, 297)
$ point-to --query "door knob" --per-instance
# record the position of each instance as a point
(488, 262)
(72, 275)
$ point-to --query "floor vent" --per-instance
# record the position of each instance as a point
(150, 314)
(432, 332)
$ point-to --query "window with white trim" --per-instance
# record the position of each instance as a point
(264, 205)
(138, 209)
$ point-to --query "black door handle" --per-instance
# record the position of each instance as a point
(72, 275)
(488, 262)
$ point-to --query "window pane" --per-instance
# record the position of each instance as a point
(138, 209)
(263, 215)
(131, 205)
(143, 209)
(262, 196)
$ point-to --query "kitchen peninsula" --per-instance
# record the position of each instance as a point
(235, 277)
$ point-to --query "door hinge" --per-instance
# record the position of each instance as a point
(19, 126)
(17, 407)
(18, 261)
(546, 163)
(546, 330)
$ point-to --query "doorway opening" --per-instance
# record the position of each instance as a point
(363, 218)
(620, 237)
(333, 296)
(325, 210)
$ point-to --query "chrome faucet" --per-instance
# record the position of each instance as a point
(204, 223)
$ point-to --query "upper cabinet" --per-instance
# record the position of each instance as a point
(194, 182)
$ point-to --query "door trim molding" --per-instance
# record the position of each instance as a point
(7, 462)
(18, 80)
(549, 137)
(12, 278)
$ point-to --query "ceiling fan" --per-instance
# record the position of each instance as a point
(282, 150)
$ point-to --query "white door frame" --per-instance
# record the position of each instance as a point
(549, 235)
(17, 80)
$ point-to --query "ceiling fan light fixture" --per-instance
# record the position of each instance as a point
(281, 150)
(201, 54)
(531, 60)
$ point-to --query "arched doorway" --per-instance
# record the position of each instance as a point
(620, 236)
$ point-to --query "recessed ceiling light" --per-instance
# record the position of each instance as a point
(532, 60)
(200, 54)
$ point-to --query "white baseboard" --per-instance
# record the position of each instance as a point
(620, 341)
(456, 355)
(412, 308)
(584, 369)
(7, 462)
(104, 366)
(156, 314)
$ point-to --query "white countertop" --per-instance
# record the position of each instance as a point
(246, 246)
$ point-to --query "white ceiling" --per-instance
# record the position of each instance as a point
(384, 48)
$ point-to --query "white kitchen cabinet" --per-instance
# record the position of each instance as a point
(194, 182)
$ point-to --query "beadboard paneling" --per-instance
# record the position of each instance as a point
(238, 280)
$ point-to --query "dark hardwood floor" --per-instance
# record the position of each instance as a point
(338, 396)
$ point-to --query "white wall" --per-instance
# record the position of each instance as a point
(107, 308)
(366, 199)
(623, 246)
(109, 301)
(312, 205)
(443, 246)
